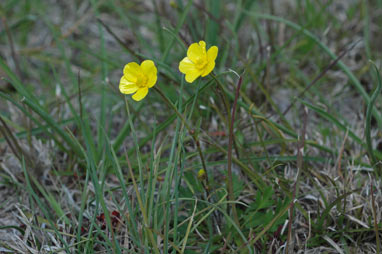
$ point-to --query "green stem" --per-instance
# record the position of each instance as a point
(190, 131)
(368, 122)
(375, 218)
(229, 155)
(231, 140)
(223, 95)
(142, 207)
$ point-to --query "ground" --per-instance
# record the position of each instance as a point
(85, 168)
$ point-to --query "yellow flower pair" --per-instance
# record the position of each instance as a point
(137, 79)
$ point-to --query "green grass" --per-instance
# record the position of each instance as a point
(86, 169)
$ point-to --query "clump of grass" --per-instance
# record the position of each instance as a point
(283, 158)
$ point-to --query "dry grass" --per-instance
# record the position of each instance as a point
(54, 41)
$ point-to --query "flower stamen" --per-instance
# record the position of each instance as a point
(201, 62)
(142, 80)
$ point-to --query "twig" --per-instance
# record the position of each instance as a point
(15, 150)
(140, 58)
(13, 144)
(119, 40)
(219, 21)
(319, 76)
(12, 46)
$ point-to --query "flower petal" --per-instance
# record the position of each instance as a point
(149, 69)
(212, 53)
(131, 71)
(140, 94)
(192, 75)
(152, 80)
(194, 52)
(202, 44)
(210, 66)
(186, 65)
(127, 87)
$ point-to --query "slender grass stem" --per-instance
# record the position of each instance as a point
(296, 187)
(223, 96)
(189, 129)
(229, 155)
(375, 218)
(142, 207)
(378, 167)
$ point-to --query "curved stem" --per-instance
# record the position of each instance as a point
(368, 122)
(229, 155)
(230, 120)
(190, 131)
(223, 95)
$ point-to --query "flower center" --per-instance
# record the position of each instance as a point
(201, 62)
(141, 80)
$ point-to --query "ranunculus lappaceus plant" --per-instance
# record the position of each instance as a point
(199, 61)
(137, 79)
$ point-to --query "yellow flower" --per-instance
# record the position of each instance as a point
(198, 62)
(173, 4)
(202, 174)
(138, 79)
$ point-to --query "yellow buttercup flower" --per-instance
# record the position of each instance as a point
(138, 79)
(202, 174)
(198, 62)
